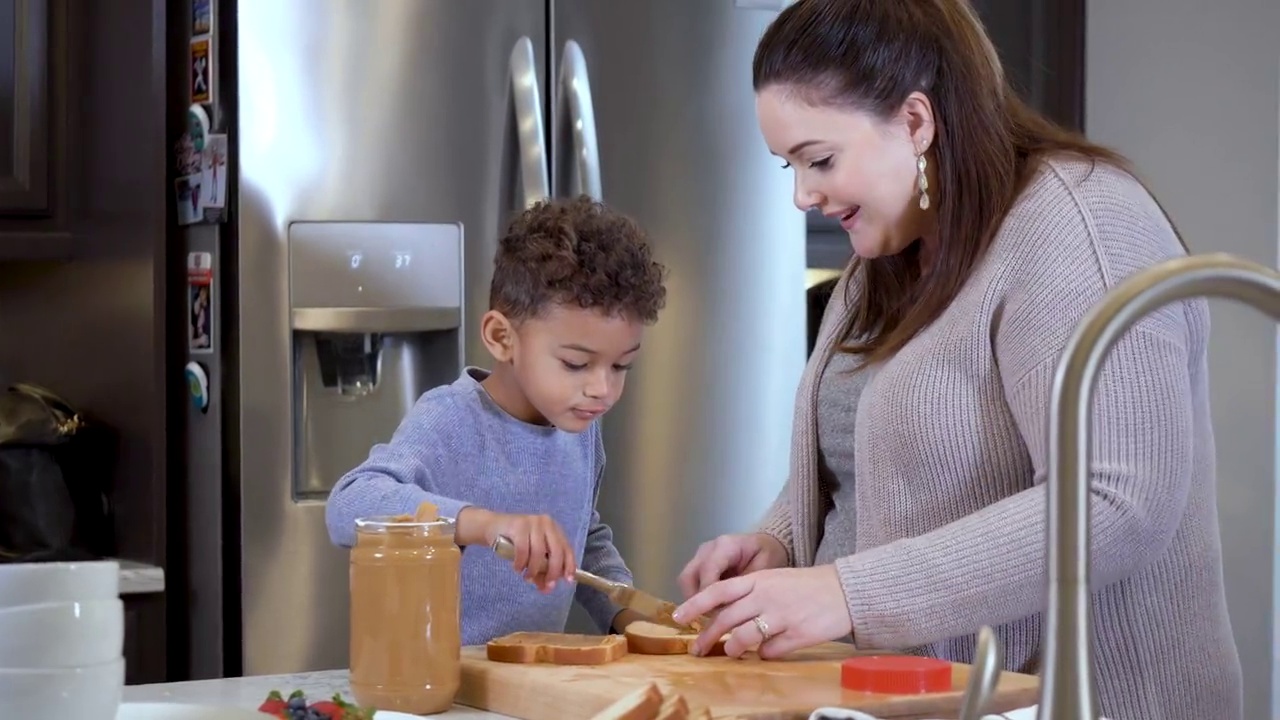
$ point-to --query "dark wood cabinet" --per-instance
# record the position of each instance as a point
(35, 107)
(1041, 45)
(145, 639)
(24, 109)
(85, 123)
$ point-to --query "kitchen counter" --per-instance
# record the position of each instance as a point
(140, 578)
(249, 692)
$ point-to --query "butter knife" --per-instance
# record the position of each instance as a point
(621, 594)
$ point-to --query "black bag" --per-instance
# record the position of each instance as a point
(55, 467)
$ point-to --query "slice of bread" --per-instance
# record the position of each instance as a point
(650, 703)
(673, 707)
(643, 703)
(647, 638)
(556, 648)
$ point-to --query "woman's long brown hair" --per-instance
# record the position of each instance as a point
(869, 55)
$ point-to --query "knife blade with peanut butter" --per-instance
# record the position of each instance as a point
(621, 594)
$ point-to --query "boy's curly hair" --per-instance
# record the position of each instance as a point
(576, 252)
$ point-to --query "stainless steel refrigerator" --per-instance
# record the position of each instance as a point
(377, 151)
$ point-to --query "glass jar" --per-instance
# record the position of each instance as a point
(406, 636)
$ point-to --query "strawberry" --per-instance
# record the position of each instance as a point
(329, 709)
(275, 704)
(339, 709)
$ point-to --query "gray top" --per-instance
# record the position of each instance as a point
(839, 391)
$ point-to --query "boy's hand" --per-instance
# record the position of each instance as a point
(542, 553)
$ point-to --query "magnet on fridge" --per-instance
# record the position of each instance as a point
(198, 386)
(202, 69)
(200, 289)
(197, 126)
(201, 17)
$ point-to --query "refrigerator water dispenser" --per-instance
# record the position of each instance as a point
(376, 320)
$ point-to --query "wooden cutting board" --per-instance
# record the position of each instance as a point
(748, 688)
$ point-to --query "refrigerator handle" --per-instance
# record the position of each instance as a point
(534, 181)
(576, 88)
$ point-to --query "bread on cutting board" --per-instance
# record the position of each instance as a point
(556, 648)
(648, 703)
(643, 703)
(647, 638)
(674, 707)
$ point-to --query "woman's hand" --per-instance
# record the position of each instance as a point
(797, 607)
(729, 556)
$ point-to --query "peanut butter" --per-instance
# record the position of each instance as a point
(406, 637)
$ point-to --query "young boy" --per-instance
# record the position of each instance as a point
(517, 451)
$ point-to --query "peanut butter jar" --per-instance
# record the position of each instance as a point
(406, 637)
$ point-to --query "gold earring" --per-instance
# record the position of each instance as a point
(922, 181)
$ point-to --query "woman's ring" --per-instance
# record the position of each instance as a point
(763, 627)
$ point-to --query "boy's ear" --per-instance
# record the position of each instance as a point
(499, 335)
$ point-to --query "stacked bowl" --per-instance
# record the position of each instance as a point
(61, 640)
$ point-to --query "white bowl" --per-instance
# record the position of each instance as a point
(84, 693)
(61, 635)
(49, 582)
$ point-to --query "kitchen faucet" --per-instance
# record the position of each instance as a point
(1068, 691)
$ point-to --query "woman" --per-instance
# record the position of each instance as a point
(914, 512)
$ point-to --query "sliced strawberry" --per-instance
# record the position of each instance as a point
(275, 704)
(329, 709)
(350, 711)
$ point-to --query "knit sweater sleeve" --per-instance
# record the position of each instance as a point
(777, 522)
(400, 473)
(989, 567)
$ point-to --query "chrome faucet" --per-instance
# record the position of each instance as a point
(1068, 690)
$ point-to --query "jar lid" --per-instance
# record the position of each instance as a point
(896, 674)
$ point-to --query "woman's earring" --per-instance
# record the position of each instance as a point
(922, 181)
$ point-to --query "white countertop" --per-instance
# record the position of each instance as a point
(249, 692)
(140, 578)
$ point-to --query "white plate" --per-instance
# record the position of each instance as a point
(176, 711)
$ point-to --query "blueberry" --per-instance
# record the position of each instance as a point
(297, 703)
